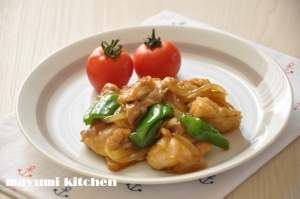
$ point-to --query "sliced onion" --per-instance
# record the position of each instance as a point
(192, 148)
(171, 84)
(213, 95)
(188, 167)
(206, 88)
(126, 154)
(212, 87)
(179, 102)
(113, 118)
(223, 103)
(165, 132)
(123, 123)
(187, 93)
(171, 122)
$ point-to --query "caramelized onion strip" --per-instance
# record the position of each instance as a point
(113, 118)
(119, 114)
(125, 154)
(190, 146)
(187, 93)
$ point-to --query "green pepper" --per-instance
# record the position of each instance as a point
(202, 131)
(145, 134)
(105, 106)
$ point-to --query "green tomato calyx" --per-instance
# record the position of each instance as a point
(112, 50)
(152, 42)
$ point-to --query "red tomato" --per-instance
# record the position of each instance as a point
(157, 58)
(111, 65)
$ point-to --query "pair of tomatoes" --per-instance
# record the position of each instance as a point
(109, 63)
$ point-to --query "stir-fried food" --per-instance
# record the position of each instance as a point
(170, 124)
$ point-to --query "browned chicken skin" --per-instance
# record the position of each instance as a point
(141, 95)
(222, 118)
(177, 154)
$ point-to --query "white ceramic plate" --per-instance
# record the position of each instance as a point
(57, 93)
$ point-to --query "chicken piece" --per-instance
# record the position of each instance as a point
(146, 90)
(221, 118)
(96, 135)
(136, 91)
(178, 129)
(119, 139)
(144, 93)
(176, 154)
(203, 147)
(135, 112)
(109, 89)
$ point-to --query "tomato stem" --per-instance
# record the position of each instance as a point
(152, 42)
(112, 50)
